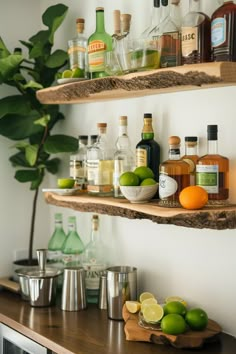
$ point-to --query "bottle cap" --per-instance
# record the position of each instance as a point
(174, 140)
(212, 132)
(156, 3)
(123, 120)
(147, 115)
(191, 138)
(101, 125)
(80, 20)
(164, 2)
(99, 8)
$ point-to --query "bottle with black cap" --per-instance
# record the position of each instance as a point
(212, 170)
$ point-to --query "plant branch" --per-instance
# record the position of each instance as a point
(30, 255)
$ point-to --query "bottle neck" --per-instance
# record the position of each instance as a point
(100, 25)
(71, 225)
(174, 152)
(95, 235)
(156, 13)
(165, 13)
(147, 132)
(191, 149)
(212, 147)
(194, 6)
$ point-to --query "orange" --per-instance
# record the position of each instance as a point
(193, 197)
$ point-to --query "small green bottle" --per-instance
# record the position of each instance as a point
(98, 44)
(73, 246)
(56, 241)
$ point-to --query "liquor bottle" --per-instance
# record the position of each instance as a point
(100, 165)
(174, 175)
(98, 43)
(124, 158)
(148, 150)
(191, 156)
(54, 254)
(78, 164)
(196, 35)
(93, 139)
(94, 262)
(73, 246)
(223, 29)
(155, 19)
(77, 49)
(212, 170)
(175, 13)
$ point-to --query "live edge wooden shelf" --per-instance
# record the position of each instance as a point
(218, 218)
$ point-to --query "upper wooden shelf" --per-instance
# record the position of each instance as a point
(218, 218)
(181, 78)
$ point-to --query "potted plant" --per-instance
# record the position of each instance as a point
(23, 118)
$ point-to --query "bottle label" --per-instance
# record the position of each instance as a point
(71, 259)
(167, 186)
(96, 51)
(189, 40)
(141, 157)
(207, 177)
(218, 31)
(93, 272)
(170, 49)
(54, 256)
(100, 175)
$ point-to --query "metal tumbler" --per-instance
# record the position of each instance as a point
(73, 289)
(121, 286)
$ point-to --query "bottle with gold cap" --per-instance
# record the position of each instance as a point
(174, 175)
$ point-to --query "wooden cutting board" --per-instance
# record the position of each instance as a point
(190, 339)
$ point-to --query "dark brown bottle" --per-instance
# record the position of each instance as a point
(223, 32)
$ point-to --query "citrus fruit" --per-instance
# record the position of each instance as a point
(176, 298)
(145, 295)
(129, 179)
(175, 307)
(197, 319)
(153, 313)
(193, 197)
(77, 72)
(148, 182)
(143, 172)
(147, 302)
(173, 324)
(133, 306)
(65, 182)
(66, 74)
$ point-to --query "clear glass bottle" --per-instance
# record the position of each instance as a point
(77, 49)
(175, 12)
(155, 19)
(212, 170)
(196, 35)
(56, 241)
(73, 246)
(223, 30)
(191, 156)
(147, 149)
(78, 169)
(94, 262)
(124, 158)
(174, 175)
(98, 43)
(100, 165)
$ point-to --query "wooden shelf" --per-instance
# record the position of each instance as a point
(181, 78)
(218, 218)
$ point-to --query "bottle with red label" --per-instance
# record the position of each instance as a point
(99, 43)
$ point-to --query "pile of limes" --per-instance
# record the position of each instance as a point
(141, 176)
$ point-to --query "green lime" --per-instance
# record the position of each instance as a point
(67, 74)
(197, 319)
(148, 182)
(77, 72)
(129, 179)
(175, 307)
(144, 172)
(173, 324)
(65, 182)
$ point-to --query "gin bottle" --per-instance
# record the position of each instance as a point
(78, 164)
(54, 254)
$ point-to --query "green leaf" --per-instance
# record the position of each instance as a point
(31, 153)
(24, 176)
(19, 160)
(60, 143)
(39, 42)
(53, 17)
(9, 66)
(43, 121)
(15, 104)
(4, 52)
(21, 145)
(52, 165)
(57, 59)
(32, 84)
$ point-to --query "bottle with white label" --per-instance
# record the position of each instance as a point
(174, 175)
(212, 170)
(78, 164)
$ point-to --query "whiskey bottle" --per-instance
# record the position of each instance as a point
(77, 49)
(212, 170)
(98, 43)
(223, 30)
(78, 164)
(54, 254)
(148, 150)
(191, 156)
(174, 175)
(196, 35)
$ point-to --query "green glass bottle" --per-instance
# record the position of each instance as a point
(73, 246)
(56, 242)
(98, 44)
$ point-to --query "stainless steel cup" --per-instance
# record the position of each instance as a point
(121, 286)
(102, 299)
(73, 289)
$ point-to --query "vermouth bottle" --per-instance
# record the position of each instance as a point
(212, 170)
(191, 156)
(174, 175)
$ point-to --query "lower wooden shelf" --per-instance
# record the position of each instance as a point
(218, 218)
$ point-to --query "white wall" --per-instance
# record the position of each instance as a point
(198, 265)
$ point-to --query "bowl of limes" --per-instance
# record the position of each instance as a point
(138, 186)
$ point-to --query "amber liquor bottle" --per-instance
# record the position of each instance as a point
(223, 32)
(174, 175)
(191, 156)
(212, 170)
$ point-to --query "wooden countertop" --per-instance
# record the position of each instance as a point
(86, 332)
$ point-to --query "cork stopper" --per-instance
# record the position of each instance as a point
(80, 25)
(99, 8)
(125, 22)
(175, 2)
(123, 120)
(174, 140)
(191, 141)
(116, 19)
(102, 125)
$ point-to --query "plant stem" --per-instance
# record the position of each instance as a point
(31, 239)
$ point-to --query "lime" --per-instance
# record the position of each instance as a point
(144, 172)
(145, 295)
(133, 306)
(197, 319)
(65, 182)
(176, 298)
(153, 313)
(147, 302)
(66, 74)
(175, 307)
(129, 179)
(77, 72)
(148, 182)
(173, 324)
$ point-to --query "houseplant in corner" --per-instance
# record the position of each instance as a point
(23, 118)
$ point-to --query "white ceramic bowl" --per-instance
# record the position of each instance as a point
(139, 194)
